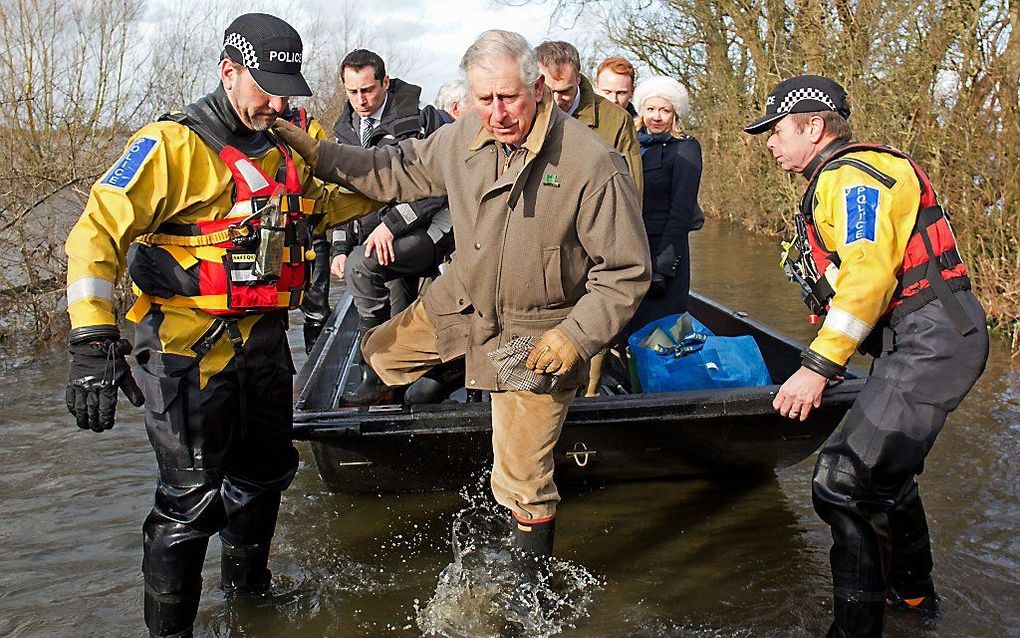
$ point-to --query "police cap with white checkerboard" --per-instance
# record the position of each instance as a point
(801, 94)
(271, 50)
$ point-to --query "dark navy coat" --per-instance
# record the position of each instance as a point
(672, 172)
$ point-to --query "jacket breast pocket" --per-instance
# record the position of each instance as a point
(553, 273)
(163, 271)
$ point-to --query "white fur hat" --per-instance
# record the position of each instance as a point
(666, 88)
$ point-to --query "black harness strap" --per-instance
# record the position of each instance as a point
(948, 260)
(237, 341)
(864, 167)
(206, 342)
(949, 301)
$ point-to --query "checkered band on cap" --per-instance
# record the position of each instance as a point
(248, 56)
(808, 93)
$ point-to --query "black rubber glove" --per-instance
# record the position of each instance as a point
(658, 285)
(97, 369)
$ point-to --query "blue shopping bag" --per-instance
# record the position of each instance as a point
(679, 353)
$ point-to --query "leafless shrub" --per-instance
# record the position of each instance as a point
(76, 78)
(936, 78)
(66, 88)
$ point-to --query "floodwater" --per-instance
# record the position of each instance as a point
(701, 558)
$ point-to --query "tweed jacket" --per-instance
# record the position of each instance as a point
(614, 125)
(549, 235)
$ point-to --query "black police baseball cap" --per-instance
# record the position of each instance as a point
(271, 50)
(801, 94)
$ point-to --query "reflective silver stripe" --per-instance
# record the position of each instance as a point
(339, 235)
(89, 287)
(441, 224)
(240, 209)
(407, 213)
(845, 323)
(434, 234)
(242, 275)
(252, 176)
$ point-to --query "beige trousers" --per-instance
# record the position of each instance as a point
(595, 374)
(525, 425)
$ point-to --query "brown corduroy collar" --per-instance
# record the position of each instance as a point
(539, 129)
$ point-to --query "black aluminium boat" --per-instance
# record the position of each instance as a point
(605, 439)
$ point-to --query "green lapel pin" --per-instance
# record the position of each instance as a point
(550, 179)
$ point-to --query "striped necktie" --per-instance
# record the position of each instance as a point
(367, 126)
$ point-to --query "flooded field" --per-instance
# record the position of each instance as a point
(706, 557)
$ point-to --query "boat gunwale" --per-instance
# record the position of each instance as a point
(587, 411)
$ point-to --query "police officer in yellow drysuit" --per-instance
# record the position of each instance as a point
(877, 257)
(211, 215)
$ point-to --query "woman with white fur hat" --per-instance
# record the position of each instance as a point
(671, 160)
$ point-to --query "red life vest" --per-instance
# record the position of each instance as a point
(931, 268)
(218, 256)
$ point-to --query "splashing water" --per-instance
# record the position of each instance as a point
(491, 590)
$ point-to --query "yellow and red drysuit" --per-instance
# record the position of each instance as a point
(182, 180)
(871, 213)
(212, 357)
(862, 219)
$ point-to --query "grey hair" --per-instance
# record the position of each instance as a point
(449, 93)
(505, 44)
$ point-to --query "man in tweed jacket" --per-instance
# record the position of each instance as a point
(550, 245)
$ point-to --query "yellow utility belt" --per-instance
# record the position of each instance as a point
(145, 302)
(215, 273)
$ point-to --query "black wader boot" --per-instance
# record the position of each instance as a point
(244, 569)
(312, 330)
(910, 582)
(172, 567)
(533, 544)
(315, 306)
(533, 538)
(854, 619)
(170, 615)
(860, 552)
(372, 390)
(244, 565)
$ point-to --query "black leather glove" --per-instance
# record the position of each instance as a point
(658, 285)
(97, 369)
